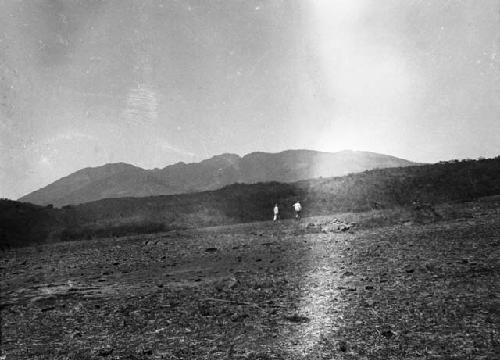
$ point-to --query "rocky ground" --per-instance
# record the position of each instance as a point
(321, 288)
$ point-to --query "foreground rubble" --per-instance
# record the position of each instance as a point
(289, 290)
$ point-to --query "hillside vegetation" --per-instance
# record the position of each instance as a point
(450, 182)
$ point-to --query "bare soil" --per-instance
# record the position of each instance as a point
(286, 290)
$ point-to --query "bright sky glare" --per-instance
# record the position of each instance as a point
(151, 83)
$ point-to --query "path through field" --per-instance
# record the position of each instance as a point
(319, 296)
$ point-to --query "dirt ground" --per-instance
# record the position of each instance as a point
(286, 290)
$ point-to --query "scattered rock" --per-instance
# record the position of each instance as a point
(296, 318)
(146, 351)
(75, 334)
(104, 351)
(238, 317)
(324, 227)
(342, 346)
(47, 309)
(260, 356)
(370, 302)
(226, 283)
(387, 333)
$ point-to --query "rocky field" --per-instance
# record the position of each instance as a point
(318, 288)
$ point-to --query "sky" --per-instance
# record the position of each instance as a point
(155, 82)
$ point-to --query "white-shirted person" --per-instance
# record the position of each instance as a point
(298, 209)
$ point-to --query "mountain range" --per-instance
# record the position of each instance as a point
(124, 180)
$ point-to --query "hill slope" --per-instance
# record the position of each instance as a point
(23, 224)
(124, 180)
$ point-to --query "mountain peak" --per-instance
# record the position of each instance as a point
(224, 157)
(117, 165)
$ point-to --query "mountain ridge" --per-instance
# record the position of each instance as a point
(126, 180)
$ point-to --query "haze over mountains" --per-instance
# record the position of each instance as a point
(125, 180)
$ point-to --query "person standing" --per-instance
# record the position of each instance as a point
(276, 211)
(298, 209)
